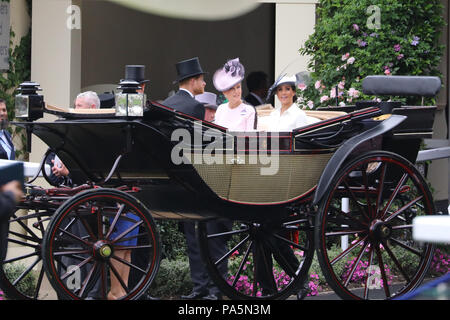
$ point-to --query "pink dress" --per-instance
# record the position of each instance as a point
(241, 118)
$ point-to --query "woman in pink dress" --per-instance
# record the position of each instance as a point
(235, 115)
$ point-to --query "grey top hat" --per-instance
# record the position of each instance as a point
(208, 99)
(136, 73)
(188, 68)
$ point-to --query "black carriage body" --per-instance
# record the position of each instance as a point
(187, 168)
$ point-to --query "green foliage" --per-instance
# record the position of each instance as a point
(173, 279)
(172, 239)
(19, 71)
(348, 44)
(28, 284)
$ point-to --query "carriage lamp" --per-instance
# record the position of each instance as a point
(129, 103)
(29, 105)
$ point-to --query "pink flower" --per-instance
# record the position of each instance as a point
(352, 92)
(323, 99)
(302, 86)
(400, 56)
(310, 105)
(387, 72)
(341, 84)
(345, 56)
(355, 27)
(397, 47)
(317, 84)
(351, 60)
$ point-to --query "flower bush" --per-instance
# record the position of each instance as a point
(357, 38)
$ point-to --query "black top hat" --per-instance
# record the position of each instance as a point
(135, 72)
(188, 68)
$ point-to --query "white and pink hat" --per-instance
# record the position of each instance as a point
(231, 74)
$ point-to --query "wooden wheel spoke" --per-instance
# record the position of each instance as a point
(355, 265)
(366, 285)
(230, 252)
(123, 234)
(116, 274)
(26, 271)
(347, 251)
(355, 200)
(129, 264)
(397, 263)
(116, 218)
(380, 188)
(406, 246)
(406, 206)
(78, 266)
(383, 272)
(87, 279)
(291, 243)
(20, 257)
(75, 237)
(241, 265)
(393, 195)
(38, 284)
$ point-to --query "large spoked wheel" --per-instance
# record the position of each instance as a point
(101, 244)
(21, 271)
(371, 203)
(249, 260)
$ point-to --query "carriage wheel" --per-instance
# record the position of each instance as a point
(101, 244)
(258, 260)
(384, 193)
(21, 272)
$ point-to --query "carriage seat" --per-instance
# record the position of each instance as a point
(424, 86)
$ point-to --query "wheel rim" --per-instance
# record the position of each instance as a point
(281, 261)
(91, 243)
(21, 272)
(385, 193)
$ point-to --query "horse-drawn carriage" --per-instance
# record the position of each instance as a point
(283, 196)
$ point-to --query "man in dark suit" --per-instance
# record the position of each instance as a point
(191, 83)
(7, 150)
(257, 86)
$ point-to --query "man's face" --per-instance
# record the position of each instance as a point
(209, 114)
(198, 85)
(3, 112)
(81, 103)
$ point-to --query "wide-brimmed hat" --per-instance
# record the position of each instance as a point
(209, 99)
(283, 79)
(135, 72)
(188, 68)
(231, 74)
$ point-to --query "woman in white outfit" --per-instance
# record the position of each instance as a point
(289, 116)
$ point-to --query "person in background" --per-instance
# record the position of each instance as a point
(257, 85)
(208, 99)
(10, 194)
(235, 115)
(7, 150)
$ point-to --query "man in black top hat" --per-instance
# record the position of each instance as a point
(191, 83)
